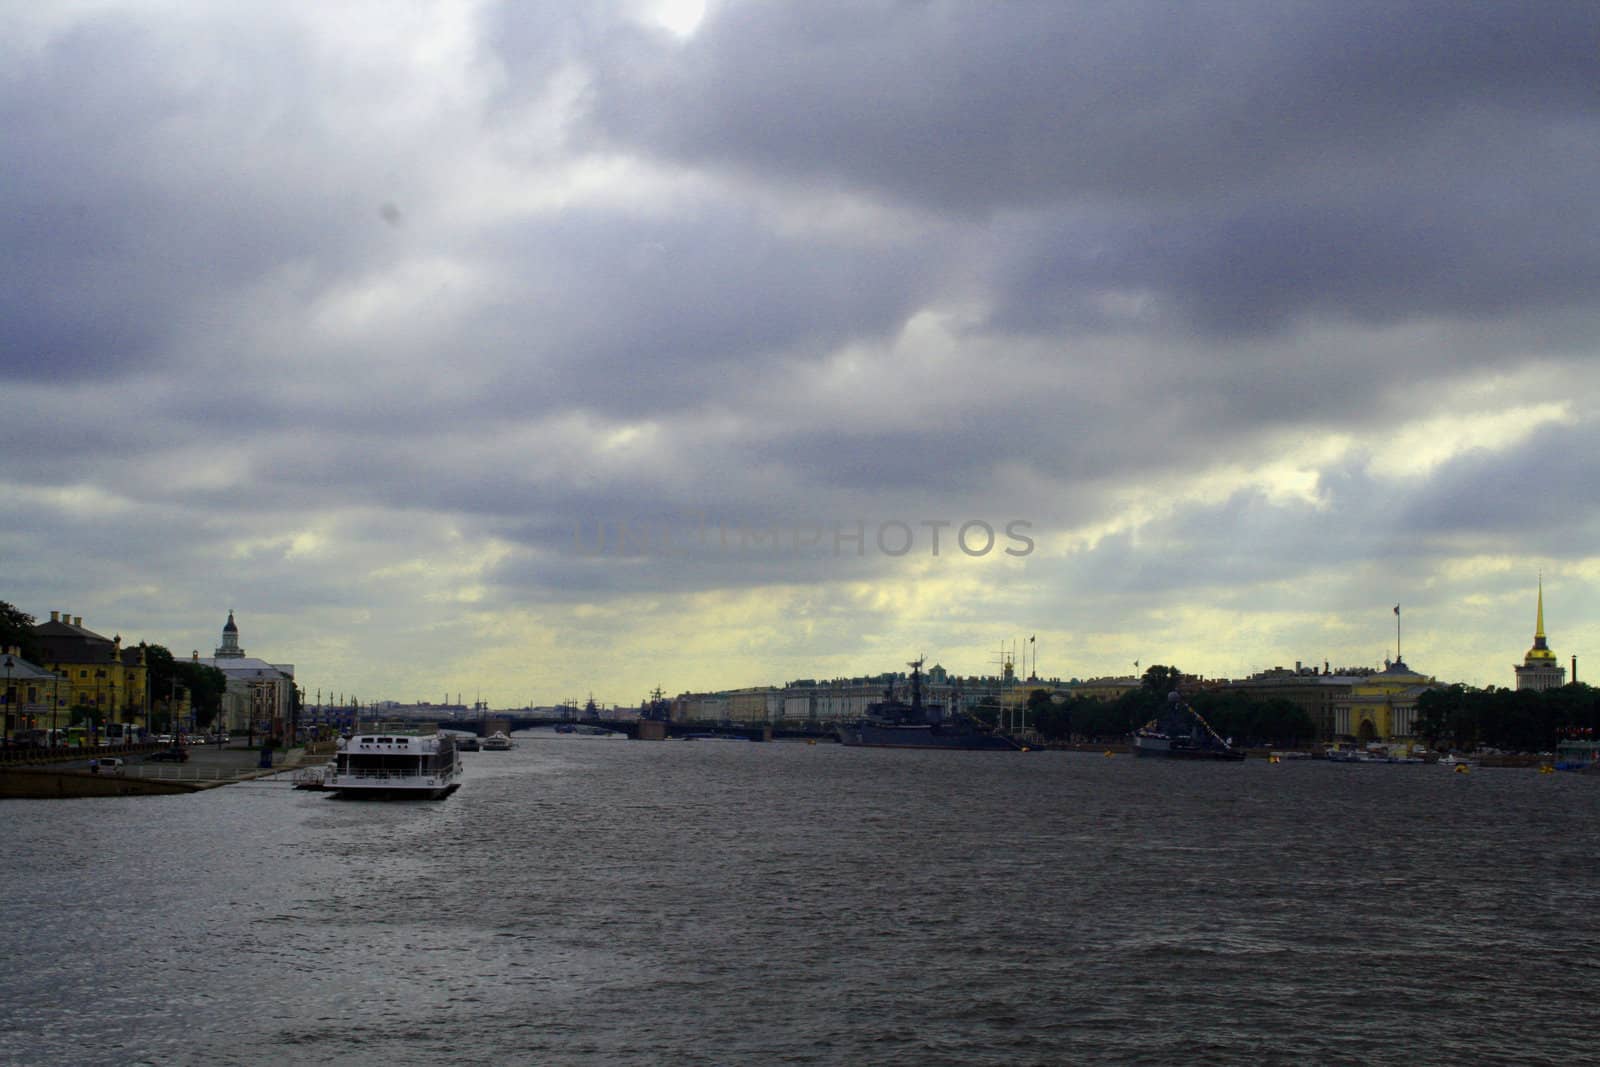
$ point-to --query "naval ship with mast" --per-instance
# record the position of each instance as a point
(894, 723)
(1180, 732)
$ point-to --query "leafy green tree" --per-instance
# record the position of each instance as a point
(1251, 721)
(1522, 720)
(1435, 708)
(159, 664)
(1050, 718)
(206, 686)
(1161, 679)
(1111, 720)
(16, 630)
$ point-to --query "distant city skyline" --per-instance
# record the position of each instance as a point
(362, 321)
(1019, 653)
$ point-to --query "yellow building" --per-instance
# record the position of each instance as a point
(97, 672)
(750, 705)
(31, 695)
(1381, 706)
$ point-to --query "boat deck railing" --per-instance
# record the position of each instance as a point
(384, 775)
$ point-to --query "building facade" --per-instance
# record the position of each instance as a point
(1539, 669)
(1323, 695)
(260, 697)
(1382, 706)
(97, 674)
(1348, 704)
(32, 695)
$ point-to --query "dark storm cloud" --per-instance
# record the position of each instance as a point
(1436, 246)
(964, 106)
(166, 170)
(629, 312)
(693, 561)
(1539, 496)
(1242, 164)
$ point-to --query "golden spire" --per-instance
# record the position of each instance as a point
(1538, 627)
(1540, 652)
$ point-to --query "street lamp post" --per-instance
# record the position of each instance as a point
(55, 709)
(116, 712)
(144, 658)
(10, 663)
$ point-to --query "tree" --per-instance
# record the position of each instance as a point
(1051, 719)
(1252, 721)
(1161, 679)
(1435, 708)
(206, 686)
(1523, 720)
(16, 630)
(1107, 720)
(161, 670)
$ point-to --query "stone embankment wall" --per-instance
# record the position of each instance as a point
(24, 782)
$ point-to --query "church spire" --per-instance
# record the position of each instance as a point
(1540, 669)
(1538, 628)
(1540, 652)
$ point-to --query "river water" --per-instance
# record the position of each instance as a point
(591, 901)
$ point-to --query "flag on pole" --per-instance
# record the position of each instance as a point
(1030, 639)
(1397, 609)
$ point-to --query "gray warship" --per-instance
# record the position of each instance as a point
(894, 723)
(1179, 732)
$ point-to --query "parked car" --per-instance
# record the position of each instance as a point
(173, 755)
(106, 764)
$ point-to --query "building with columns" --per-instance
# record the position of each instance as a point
(1382, 706)
(260, 697)
(1540, 669)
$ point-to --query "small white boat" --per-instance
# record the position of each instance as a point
(498, 742)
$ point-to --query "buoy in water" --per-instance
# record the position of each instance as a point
(1108, 753)
(1461, 768)
(1273, 759)
(1545, 768)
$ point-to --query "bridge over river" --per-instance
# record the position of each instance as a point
(652, 729)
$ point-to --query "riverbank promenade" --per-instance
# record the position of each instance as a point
(207, 767)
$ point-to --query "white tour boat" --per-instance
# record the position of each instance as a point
(498, 742)
(390, 762)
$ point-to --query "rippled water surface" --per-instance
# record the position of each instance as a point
(597, 901)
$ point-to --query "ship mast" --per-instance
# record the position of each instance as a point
(1005, 658)
(916, 687)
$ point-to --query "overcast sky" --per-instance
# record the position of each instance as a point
(1196, 334)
